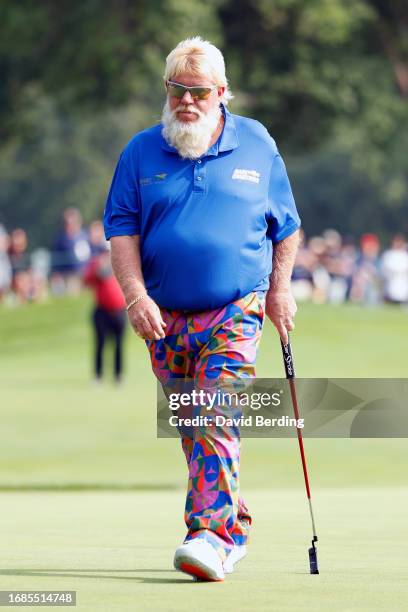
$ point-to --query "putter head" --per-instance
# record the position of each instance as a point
(314, 568)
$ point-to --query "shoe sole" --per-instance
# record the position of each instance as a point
(193, 567)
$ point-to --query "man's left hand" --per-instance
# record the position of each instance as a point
(281, 308)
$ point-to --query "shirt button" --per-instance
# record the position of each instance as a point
(198, 178)
(199, 161)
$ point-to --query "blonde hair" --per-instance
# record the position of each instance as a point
(200, 58)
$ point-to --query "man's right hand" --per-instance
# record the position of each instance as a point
(144, 316)
(146, 320)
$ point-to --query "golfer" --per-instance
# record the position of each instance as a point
(204, 232)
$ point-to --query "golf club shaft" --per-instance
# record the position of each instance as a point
(290, 375)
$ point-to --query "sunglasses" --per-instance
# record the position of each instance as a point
(197, 93)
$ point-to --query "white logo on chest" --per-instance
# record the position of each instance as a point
(240, 174)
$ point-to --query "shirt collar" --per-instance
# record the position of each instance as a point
(229, 137)
(226, 142)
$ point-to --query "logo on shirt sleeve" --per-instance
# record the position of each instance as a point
(240, 174)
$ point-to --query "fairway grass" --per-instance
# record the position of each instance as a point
(59, 431)
(116, 548)
(51, 342)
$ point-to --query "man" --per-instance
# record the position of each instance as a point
(394, 271)
(71, 252)
(5, 265)
(194, 208)
(109, 314)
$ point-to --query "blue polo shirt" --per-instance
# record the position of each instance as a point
(206, 226)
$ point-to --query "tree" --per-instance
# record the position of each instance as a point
(78, 79)
(327, 77)
(329, 80)
(91, 55)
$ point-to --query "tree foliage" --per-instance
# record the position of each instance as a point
(329, 78)
(91, 54)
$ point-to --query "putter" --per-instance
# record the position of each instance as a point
(290, 375)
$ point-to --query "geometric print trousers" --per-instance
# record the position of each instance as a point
(207, 347)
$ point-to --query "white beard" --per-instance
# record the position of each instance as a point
(190, 138)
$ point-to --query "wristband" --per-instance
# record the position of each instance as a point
(137, 299)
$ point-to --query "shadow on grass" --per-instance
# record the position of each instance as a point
(100, 573)
(86, 487)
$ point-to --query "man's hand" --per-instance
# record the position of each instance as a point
(145, 318)
(280, 305)
(281, 308)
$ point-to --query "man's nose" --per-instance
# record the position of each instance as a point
(187, 98)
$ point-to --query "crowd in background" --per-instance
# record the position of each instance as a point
(30, 276)
(328, 268)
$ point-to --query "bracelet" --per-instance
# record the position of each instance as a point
(135, 301)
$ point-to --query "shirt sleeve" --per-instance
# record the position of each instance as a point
(282, 216)
(122, 210)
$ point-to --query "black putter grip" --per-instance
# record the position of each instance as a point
(288, 360)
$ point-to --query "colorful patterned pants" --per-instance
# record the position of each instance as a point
(206, 347)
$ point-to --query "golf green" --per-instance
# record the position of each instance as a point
(115, 550)
(92, 501)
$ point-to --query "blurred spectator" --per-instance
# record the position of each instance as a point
(71, 253)
(39, 270)
(41, 263)
(338, 260)
(26, 285)
(302, 276)
(109, 314)
(366, 285)
(394, 270)
(96, 236)
(5, 266)
(349, 255)
(321, 278)
(20, 266)
(19, 258)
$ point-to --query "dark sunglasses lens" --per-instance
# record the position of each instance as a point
(177, 91)
(201, 93)
(197, 93)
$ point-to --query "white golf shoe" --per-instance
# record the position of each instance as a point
(200, 560)
(236, 554)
